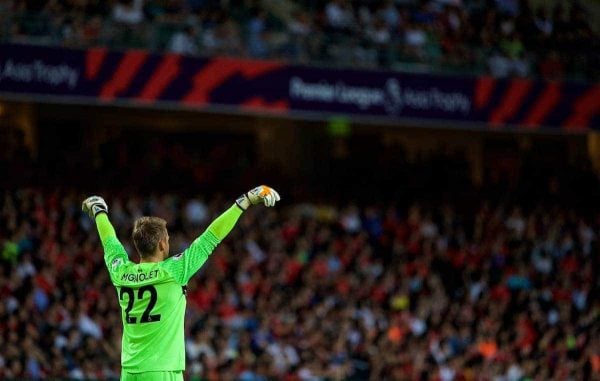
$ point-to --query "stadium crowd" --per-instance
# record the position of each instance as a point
(311, 291)
(503, 37)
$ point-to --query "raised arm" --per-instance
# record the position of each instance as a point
(105, 228)
(183, 266)
(223, 224)
(114, 252)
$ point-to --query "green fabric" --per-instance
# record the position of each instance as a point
(513, 48)
(152, 298)
(152, 310)
(10, 252)
(183, 266)
(105, 228)
(152, 376)
(153, 304)
(114, 252)
(223, 224)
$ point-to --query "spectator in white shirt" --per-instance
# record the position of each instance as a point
(184, 42)
(543, 23)
(415, 40)
(339, 15)
(128, 11)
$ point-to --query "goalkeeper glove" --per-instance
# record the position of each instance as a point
(260, 194)
(94, 205)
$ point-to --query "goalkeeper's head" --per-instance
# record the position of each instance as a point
(151, 239)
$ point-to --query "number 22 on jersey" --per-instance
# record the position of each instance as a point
(147, 316)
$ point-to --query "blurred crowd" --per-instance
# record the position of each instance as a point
(307, 291)
(503, 37)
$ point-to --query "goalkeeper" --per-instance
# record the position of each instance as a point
(152, 293)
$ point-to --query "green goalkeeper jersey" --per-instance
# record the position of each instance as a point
(152, 296)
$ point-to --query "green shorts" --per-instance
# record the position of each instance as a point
(152, 376)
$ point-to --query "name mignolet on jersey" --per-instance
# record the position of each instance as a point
(130, 277)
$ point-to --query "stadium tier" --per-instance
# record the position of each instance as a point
(435, 278)
(315, 291)
(551, 39)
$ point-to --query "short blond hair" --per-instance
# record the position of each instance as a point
(147, 231)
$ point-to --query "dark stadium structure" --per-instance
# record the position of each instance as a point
(438, 162)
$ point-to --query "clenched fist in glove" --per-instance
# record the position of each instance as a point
(262, 194)
(94, 205)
